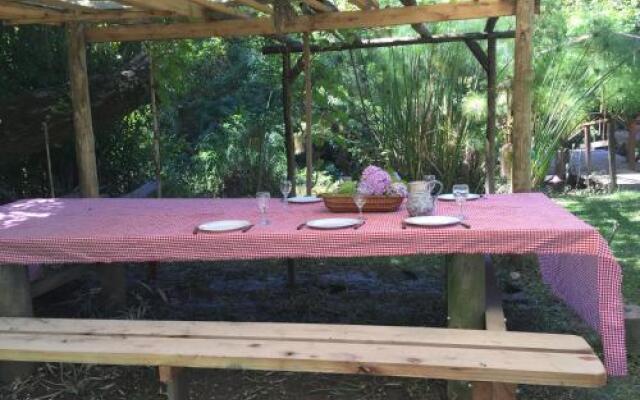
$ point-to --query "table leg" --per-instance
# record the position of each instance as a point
(113, 279)
(465, 305)
(15, 301)
(291, 273)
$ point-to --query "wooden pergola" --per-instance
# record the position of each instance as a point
(92, 21)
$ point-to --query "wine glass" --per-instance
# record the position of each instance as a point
(263, 204)
(360, 199)
(460, 193)
(285, 189)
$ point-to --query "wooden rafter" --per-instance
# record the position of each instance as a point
(318, 5)
(421, 29)
(13, 10)
(219, 7)
(388, 42)
(103, 16)
(179, 7)
(491, 24)
(365, 4)
(64, 5)
(320, 22)
(256, 5)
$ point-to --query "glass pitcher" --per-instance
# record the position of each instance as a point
(420, 200)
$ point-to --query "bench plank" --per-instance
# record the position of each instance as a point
(310, 355)
(303, 332)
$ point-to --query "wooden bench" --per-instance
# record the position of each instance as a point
(451, 354)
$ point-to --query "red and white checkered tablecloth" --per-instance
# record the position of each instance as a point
(575, 260)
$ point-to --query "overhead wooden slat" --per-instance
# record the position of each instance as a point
(318, 5)
(220, 8)
(320, 22)
(102, 16)
(421, 29)
(9, 9)
(65, 5)
(491, 24)
(365, 4)
(180, 7)
(265, 8)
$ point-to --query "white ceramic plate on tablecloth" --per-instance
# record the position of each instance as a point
(224, 226)
(432, 220)
(451, 197)
(304, 199)
(333, 223)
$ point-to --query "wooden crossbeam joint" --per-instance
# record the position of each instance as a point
(478, 53)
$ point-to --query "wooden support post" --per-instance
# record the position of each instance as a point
(523, 96)
(491, 116)
(307, 113)
(55, 279)
(494, 320)
(587, 146)
(288, 126)
(113, 279)
(291, 273)
(465, 305)
(156, 129)
(82, 122)
(611, 141)
(170, 376)
(15, 301)
(631, 144)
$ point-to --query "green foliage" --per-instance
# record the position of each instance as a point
(414, 106)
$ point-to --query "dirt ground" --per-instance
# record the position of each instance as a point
(389, 291)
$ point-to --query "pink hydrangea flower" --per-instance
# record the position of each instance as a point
(375, 181)
(397, 189)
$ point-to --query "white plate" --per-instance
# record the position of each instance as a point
(332, 223)
(304, 199)
(224, 226)
(451, 197)
(432, 220)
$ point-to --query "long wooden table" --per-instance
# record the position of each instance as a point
(575, 260)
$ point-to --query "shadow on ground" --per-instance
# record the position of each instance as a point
(390, 291)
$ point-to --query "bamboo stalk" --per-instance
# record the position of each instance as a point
(307, 112)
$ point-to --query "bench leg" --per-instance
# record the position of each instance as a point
(170, 376)
(465, 305)
(113, 279)
(15, 301)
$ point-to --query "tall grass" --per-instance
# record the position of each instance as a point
(564, 92)
(413, 111)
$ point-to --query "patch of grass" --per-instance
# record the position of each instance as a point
(602, 211)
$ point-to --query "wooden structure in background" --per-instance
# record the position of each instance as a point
(136, 20)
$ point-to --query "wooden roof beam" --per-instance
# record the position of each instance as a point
(219, 7)
(180, 7)
(320, 6)
(65, 5)
(421, 29)
(365, 4)
(390, 42)
(13, 10)
(256, 5)
(102, 16)
(491, 24)
(320, 22)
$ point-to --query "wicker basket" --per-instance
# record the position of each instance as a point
(343, 203)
